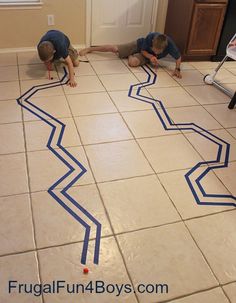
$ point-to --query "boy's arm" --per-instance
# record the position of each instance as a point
(149, 56)
(177, 71)
(175, 53)
(69, 63)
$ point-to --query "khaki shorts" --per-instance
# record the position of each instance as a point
(128, 49)
(73, 53)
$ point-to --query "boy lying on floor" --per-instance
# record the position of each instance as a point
(144, 50)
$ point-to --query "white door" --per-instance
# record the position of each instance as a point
(121, 21)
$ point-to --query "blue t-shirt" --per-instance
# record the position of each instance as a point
(146, 44)
(60, 42)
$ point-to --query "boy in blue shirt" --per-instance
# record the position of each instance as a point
(144, 50)
(55, 45)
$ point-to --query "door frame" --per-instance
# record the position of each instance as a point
(89, 20)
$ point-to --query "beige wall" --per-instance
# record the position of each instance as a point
(24, 27)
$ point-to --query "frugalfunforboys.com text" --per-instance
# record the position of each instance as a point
(95, 287)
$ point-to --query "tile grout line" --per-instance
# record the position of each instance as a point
(91, 170)
(223, 128)
(191, 294)
(114, 141)
(213, 170)
(107, 212)
(151, 164)
(100, 182)
(210, 269)
(225, 293)
(29, 187)
(101, 198)
(174, 206)
(180, 216)
(204, 257)
(118, 180)
(117, 234)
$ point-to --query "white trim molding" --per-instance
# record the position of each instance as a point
(88, 22)
(17, 50)
(154, 14)
(30, 4)
(30, 49)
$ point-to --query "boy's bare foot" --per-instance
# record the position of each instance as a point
(85, 51)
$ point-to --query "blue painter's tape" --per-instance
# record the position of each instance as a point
(194, 185)
(222, 156)
(24, 102)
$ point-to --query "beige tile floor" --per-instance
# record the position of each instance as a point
(153, 231)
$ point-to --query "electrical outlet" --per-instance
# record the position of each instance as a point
(51, 20)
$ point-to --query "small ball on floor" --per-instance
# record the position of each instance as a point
(86, 270)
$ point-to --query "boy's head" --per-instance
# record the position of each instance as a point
(46, 51)
(159, 43)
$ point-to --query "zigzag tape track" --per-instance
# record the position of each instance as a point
(201, 169)
(75, 172)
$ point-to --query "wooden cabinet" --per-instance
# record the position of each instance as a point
(195, 26)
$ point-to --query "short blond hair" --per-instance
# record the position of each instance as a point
(160, 42)
(45, 50)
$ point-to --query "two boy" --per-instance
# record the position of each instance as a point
(55, 45)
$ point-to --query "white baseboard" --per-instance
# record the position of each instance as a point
(30, 49)
(17, 50)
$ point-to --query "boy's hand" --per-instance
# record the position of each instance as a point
(177, 73)
(154, 61)
(72, 83)
(48, 65)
